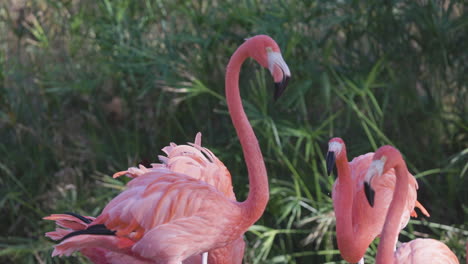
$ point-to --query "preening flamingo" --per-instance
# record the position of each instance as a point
(418, 250)
(357, 224)
(200, 163)
(192, 160)
(167, 217)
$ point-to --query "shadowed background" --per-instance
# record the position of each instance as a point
(89, 88)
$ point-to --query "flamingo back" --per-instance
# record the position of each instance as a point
(425, 251)
(192, 160)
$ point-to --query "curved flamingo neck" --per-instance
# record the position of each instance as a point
(391, 227)
(349, 243)
(342, 166)
(258, 196)
(345, 197)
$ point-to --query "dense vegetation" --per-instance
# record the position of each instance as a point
(90, 87)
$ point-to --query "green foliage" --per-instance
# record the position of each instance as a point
(89, 88)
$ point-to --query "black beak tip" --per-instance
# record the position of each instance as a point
(280, 87)
(370, 193)
(330, 162)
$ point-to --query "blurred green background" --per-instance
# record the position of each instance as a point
(90, 87)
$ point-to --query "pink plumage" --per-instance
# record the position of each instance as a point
(98, 253)
(357, 223)
(369, 218)
(191, 160)
(199, 163)
(424, 251)
(416, 251)
(185, 218)
(167, 216)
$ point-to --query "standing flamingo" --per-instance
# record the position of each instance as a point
(192, 160)
(415, 251)
(357, 224)
(167, 217)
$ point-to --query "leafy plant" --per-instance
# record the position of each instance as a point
(92, 87)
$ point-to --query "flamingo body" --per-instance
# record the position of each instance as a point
(192, 160)
(424, 251)
(199, 163)
(418, 250)
(188, 217)
(154, 188)
(370, 219)
(357, 223)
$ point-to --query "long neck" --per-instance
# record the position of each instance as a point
(350, 248)
(258, 196)
(345, 190)
(392, 221)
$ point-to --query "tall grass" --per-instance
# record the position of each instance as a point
(92, 87)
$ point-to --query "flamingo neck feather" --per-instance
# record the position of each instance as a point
(351, 248)
(258, 196)
(391, 229)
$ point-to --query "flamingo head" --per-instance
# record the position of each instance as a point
(267, 53)
(336, 149)
(385, 158)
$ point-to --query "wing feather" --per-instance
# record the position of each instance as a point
(192, 160)
(156, 198)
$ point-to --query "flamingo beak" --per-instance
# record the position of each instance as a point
(330, 160)
(281, 86)
(375, 169)
(280, 72)
(370, 193)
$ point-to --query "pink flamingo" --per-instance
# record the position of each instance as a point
(200, 163)
(192, 160)
(167, 217)
(357, 224)
(415, 251)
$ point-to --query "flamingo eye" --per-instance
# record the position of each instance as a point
(383, 159)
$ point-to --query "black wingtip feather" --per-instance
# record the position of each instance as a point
(92, 230)
(82, 218)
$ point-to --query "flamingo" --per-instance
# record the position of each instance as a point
(193, 160)
(200, 163)
(415, 251)
(167, 217)
(357, 224)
